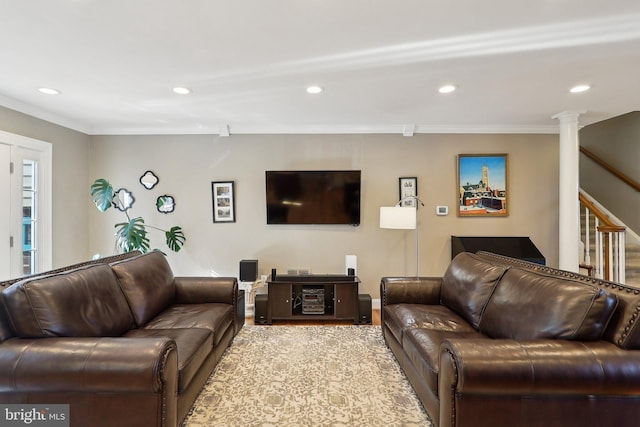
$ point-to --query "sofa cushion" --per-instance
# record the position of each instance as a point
(86, 302)
(532, 305)
(401, 317)
(215, 317)
(5, 324)
(148, 284)
(624, 327)
(468, 284)
(194, 345)
(422, 347)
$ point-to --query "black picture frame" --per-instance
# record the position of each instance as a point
(408, 191)
(223, 201)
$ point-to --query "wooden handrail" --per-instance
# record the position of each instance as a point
(624, 178)
(596, 211)
(609, 243)
(612, 229)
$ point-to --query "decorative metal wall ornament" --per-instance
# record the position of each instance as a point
(123, 199)
(149, 180)
(165, 204)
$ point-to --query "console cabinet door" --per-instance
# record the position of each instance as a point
(280, 300)
(345, 300)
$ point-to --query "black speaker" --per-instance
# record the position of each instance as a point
(364, 309)
(260, 309)
(248, 270)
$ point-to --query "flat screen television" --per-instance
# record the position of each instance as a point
(313, 197)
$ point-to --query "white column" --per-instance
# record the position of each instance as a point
(569, 214)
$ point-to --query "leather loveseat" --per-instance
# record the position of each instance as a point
(502, 342)
(120, 340)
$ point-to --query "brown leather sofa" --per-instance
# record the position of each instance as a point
(503, 342)
(121, 340)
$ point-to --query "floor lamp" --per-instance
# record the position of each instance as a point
(401, 218)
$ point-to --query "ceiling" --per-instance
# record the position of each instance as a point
(380, 63)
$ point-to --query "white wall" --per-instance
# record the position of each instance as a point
(186, 165)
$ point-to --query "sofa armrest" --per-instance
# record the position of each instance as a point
(198, 290)
(89, 365)
(538, 367)
(411, 290)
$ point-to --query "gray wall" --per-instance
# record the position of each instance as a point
(186, 165)
(70, 172)
(616, 141)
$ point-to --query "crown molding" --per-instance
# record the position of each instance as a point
(399, 129)
(228, 129)
(39, 113)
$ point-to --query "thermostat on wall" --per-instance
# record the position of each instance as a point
(442, 210)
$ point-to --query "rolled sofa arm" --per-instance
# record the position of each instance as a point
(411, 290)
(197, 290)
(88, 365)
(538, 367)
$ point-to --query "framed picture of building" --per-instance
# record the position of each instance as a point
(223, 198)
(482, 185)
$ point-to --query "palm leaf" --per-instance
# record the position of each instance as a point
(102, 193)
(175, 238)
(132, 235)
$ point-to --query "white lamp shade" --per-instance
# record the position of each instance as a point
(398, 217)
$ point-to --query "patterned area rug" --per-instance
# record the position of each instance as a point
(308, 376)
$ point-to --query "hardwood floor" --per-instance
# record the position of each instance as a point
(375, 320)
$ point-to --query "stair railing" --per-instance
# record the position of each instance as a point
(611, 169)
(609, 243)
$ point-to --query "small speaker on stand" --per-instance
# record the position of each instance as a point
(248, 270)
(364, 309)
(260, 317)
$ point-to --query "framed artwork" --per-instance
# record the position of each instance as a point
(482, 185)
(408, 191)
(223, 198)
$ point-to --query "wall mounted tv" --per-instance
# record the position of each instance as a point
(313, 197)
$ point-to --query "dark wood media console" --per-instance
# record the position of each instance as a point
(313, 297)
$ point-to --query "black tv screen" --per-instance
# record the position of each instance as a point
(313, 197)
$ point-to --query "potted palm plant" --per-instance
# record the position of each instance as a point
(132, 234)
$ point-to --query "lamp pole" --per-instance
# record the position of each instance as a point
(417, 200)
(417, 257)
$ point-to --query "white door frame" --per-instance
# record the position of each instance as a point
(45, 229)
(5, 212)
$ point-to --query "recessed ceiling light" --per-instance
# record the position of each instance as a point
(48, 91)
(182, 90)
(314, 89)
(447, 89)
(579, 88)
